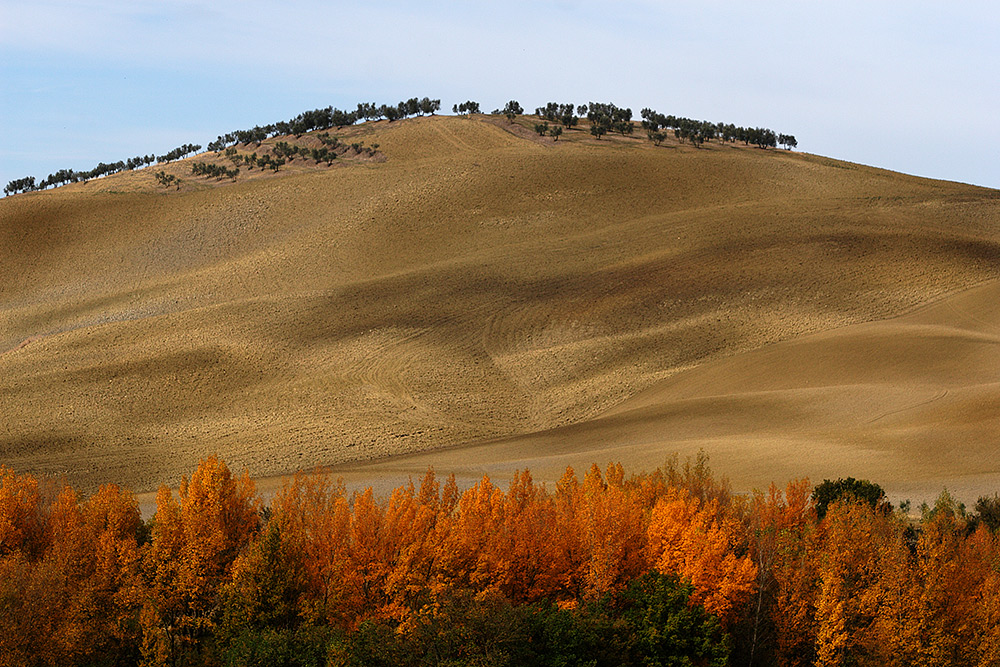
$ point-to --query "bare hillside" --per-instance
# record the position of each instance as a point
(513, 300)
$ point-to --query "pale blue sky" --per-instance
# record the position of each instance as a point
(908, 85)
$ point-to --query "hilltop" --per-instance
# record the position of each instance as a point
(518, 300)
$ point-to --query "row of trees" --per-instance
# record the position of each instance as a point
(700, 131)
(178, 153)
(326, 119)
(214, 170)
(308, 121)
(606, 117)
(666, 567)
(280, 153)
(64, 176)
(603, 118)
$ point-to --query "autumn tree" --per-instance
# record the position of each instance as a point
(861, 549)
(775, 523)
(466, 556)
(414, 542)
(950, 573)
(524, 553)
(194, 544)
(985, 621)
(315, 519)
(613, 532)
(75, 603)
(702, 543)
(22, 524)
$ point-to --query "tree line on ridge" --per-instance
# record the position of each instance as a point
(603, 118)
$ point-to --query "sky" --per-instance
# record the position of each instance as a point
(906, 85)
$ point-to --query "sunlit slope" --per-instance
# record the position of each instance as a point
(477, 285)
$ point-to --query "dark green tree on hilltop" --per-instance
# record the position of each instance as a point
(25, 184)
(558, 113)
(605, 117)
(429, 106)
(410, 107)
(548, 112)
(175, 154)
(512, 110)
(465, 108)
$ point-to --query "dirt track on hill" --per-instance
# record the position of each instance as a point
(517, 302)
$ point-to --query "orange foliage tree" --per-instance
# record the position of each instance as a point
(704, 544)
(775, 522)
(74, 603)
(194, 544)
(22, 523)
(612, 527)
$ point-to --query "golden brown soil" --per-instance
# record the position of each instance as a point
(520, 302)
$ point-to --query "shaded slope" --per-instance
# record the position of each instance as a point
(474, 286)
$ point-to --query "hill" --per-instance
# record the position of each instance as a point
(516, 300)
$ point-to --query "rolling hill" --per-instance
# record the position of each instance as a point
(479, 299)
